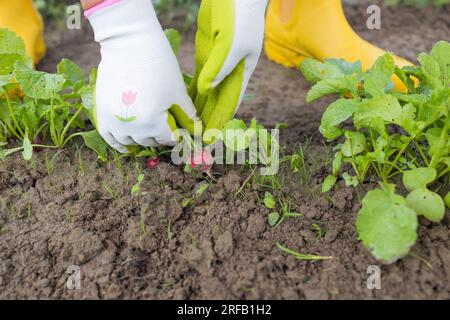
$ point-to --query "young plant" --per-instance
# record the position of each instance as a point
(275, 218)
(301, 256)
(386, 133)
(36, 106)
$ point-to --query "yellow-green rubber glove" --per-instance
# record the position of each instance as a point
(228, 45)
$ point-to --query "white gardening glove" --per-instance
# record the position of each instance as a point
(140, 95)
(228, 45)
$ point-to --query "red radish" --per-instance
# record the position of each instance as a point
(201, 160)
(152, 163)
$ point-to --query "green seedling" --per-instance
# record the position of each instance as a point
(202, 188)
(111, 192)
(275, 218)
(135, 189)
(318, 230)
(169, 230)
(142, 225)
(301, 256)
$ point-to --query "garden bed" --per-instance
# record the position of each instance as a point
(68, 208)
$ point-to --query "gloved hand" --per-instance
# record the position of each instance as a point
(228, 45)
(140, 95)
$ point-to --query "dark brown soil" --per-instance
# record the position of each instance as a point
(67, 208)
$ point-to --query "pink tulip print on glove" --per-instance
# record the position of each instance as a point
(128, 100)
(141, 98)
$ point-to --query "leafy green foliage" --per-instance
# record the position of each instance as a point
(172, 9)
(381, 132)
(36, 105)
(174, 39)
(418, 3)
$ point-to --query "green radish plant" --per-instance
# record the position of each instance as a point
(396, 137)
(37, 106)
(275, 218)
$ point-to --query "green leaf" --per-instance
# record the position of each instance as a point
(329, 183)
(234, 135)
(12, 50)
(94, 141)
(70, 71)
(201, 189)
(385, 225)
(342, 85)
(378, 78)
(11, 43)
(93, 76)
(37, 84)
(337, 163)
(431, 70)
(426, 203)
(418, 178)
(187, 79)
(26, 112)
(447, 200)
(354, 144)
(174, 39)
(269, 201)
(4, 80)
(301, 256)
(385, 107)
(315, 71)
(136, 187)
(235, 124)
(273, 219)
(350, 181)
(336, 113)
(441, 54)
(27, 148)
(347, 68)
(405, 78)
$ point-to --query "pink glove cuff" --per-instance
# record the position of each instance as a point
(100, 6)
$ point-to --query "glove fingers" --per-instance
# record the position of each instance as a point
(113, 142)
(169, 131)
(213, 67)
(124, 140)
(145, 141)
(229, 65)
(185, 114)
(224, 101)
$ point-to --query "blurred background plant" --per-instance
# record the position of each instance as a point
(418, 3)
(185, 11)
(51, 9)
(176, 10)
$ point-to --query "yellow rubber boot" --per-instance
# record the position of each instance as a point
(21, 17)
(297, 29)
